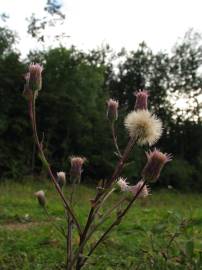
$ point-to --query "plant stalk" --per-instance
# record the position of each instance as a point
(115, 140)
(44, 160)
(116, 222)
(116, 173)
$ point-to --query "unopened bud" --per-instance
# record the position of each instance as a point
(155, 162)
(76, 168)
(141, 100)
(41, 197)
(61, 179)
(35, 78)
(112, 109)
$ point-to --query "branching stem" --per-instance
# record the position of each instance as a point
(116, 222)
(95, 207)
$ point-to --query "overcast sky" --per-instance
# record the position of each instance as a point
(120, 23)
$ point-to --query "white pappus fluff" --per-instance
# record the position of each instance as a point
(143, 126)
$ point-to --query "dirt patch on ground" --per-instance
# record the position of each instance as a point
(22, 226)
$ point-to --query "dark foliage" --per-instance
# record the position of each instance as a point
(71, 108)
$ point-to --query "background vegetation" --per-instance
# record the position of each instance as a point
(72, 107)
(160, 232)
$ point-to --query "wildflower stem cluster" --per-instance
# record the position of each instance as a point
(143, 128)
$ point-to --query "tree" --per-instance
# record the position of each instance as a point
(53, 17)
(13, 126)
(73, 89)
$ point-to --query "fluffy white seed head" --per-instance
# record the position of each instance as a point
(143, 126)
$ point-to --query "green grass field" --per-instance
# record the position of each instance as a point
(163, 231)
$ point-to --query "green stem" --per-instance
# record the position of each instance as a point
(69, 232)
(69, 243)
(120, 165)
(88, 236)
(116, 173)
(115, 140)
(116, 222)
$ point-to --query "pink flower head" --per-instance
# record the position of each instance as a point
(34, 77)
(123, 185)
(155, 162)
(112, 109)
(76, 167)
(141, 100)
(143, 193)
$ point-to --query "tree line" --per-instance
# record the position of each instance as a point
(71, 108)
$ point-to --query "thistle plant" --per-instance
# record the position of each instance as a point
(143, 128)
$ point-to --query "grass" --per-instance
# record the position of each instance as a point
(163, 231)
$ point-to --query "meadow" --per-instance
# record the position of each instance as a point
(163, 231)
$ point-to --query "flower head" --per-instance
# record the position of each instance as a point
(76, 167)
(112, 109)
(41, 197)
(141, 100)
(143, 193)
(155, 162)
(143, 126)
(34, 78)
(61, 178)
(121, 182)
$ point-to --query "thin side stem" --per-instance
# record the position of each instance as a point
(115, 140)
(104, 198)
(103, 219)
(116, 173)
(83, 236)
(120, 165)
(69, 231)
(69, 243)
(44, 160)
(116, 222)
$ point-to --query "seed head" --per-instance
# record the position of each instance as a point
(143, 126)
(112, 109)
(123, 185)
(76, 167)
(141, 100)
(155, 162)
(34, 78)
(143, 193)
(41, 197)
(61, 179)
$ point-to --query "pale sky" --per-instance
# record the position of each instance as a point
(92, 23)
